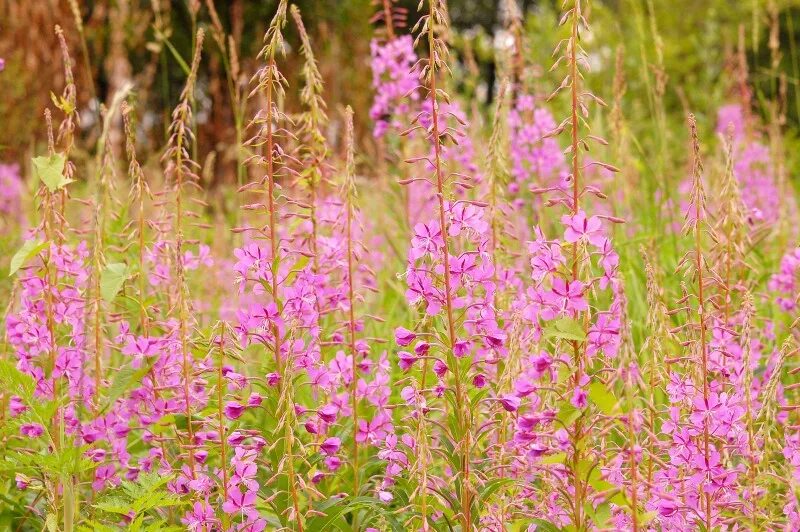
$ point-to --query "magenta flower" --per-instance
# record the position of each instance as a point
(406, 360)
(330, 446)
(524, 386)
(461, 348)
(403, 336)
(328, 413)
(421, 288)
(141, 347)
(273, 379)
(667, 508)
(604, 336)
(200, 517)
(239, 502)
(466, 216)
(16, 406)
(233, 410)
(565, 297)
(103, 475)
(333, 463)
(375, 430)
(255, 400)
(510, 403)
(579, 398)
(427, 240)
(579, 228)
(440, 368)
(31, 430)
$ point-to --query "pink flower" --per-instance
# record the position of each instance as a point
(466, 216)
(579, 398)
(16, 406)
(200, 517)
(406, 360)
(240, 502)
(566, 297)
(233, 410)
(440, 368)
(461, 348)
(375, 430)
(333, 463)
(422, 348)
(427, 240)
(330, 446)
(510, 403)
(31, 430)
(421, 287)
(105, 474)
(579, 227)
(273, 379)
(667, 508)
(141, 347)
(604, 336)
(328, 413)
(403, 336)
(524, 386)
(542, 363)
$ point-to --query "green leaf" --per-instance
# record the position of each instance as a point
(557, 458)
(51, 523)
(332, 512)
(50, 170)
(62, 103)
(568, 414)
(566, 329)
(123, 380)
(114, 505)
(29, 249)
(15, 381)
(491, 487)
(112, 279)
(544, 526)
(602, 397)
(600, 515)
(647, 517)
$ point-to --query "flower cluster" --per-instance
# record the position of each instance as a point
(11, 196)
(753, 167)
(536, 157)
(394, 81)
(784, 283)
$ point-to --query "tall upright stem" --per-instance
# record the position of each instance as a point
(461, 416)
(577, 433)
(701, 314)
(284, 370)
(221, 420)
(349, 193)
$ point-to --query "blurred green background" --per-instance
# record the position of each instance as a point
(682, 52)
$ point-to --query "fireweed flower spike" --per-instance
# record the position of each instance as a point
(561, 300)
(450, 274)
(47, 332)
(706, 413)
(181, 171)
(541, 375)
(283, 319)
(371, 418)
